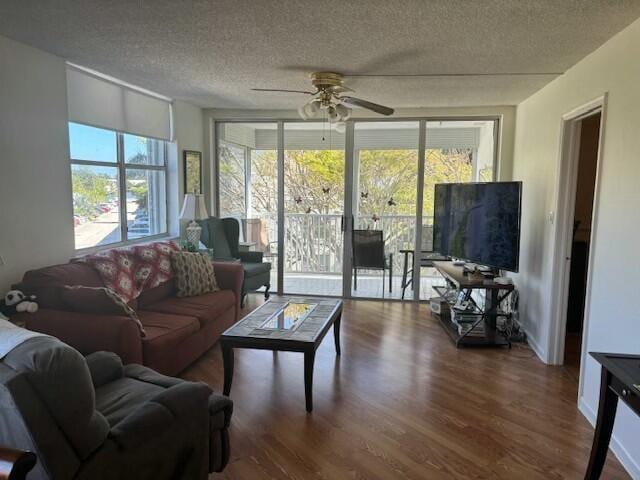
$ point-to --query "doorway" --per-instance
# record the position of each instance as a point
(587, 163)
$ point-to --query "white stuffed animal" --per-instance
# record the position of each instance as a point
(17, 302)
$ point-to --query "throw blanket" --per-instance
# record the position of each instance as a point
(11, 336)
(128, 271)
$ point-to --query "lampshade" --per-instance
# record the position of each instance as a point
(194, 207)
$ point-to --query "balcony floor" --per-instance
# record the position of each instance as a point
(369, 285)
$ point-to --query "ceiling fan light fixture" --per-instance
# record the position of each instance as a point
(333, 114)
(309, 110)
(341, 127)
(329, 95)
(343, 112)
(314, 106)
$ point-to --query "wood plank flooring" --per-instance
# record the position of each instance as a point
(401, 403)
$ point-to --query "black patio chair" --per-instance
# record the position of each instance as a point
(369, 254)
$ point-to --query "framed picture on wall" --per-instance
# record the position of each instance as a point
(192, 171)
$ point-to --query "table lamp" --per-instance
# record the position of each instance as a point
(193, 209)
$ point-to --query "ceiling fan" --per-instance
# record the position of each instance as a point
(330, 97)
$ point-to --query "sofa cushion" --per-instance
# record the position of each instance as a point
(155, 294)
(79, 298)
(253, 269)
(165, 332)
(194, 274)
(117, 399)
(45, 282)
(206, 308)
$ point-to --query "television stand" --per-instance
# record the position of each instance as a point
(479, 327)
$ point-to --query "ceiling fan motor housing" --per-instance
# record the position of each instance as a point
(326, 80)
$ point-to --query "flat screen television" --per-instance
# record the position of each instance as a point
(479, 223)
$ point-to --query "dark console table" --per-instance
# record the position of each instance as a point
(466, 283)
(620, 379)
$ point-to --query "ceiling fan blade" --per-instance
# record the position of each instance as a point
(358, 102)
(281, 90)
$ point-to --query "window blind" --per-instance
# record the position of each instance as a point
(99, 102)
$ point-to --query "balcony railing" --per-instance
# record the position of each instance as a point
(314, 242)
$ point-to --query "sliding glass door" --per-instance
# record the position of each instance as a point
(455, 152)
(314, 166)
(334, 211)
(248, 186)
(385, 180)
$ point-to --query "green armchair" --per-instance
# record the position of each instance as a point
(223, 236)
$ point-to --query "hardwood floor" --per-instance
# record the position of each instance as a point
(401, 403)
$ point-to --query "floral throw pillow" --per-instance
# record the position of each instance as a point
(193, 273)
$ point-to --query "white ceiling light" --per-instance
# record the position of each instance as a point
(343, 112)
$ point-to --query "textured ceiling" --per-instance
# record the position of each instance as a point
(212, 52)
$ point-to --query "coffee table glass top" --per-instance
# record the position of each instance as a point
(287, 318)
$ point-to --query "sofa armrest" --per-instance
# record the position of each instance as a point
(183, 398)
(250, 257)
(220, 410)
(88, 332)
(230, 276)
(147, 375)
(158, 415)
(141, 426)
(104, 367)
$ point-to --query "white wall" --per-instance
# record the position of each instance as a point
(189, 135)
(614, 321)
(36, 212)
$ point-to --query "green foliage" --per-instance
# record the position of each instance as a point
(140, 190)
(90, 189)
(444, 166)
(316, 179)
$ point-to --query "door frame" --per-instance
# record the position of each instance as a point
(566, 187)
(423, 120)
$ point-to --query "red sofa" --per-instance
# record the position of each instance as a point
(178, 330)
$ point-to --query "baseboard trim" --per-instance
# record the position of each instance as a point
(621, 453)
(536, 348)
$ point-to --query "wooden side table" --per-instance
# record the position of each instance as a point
(620, 379)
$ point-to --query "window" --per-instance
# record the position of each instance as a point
(119, 186)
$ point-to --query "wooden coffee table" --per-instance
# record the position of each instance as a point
(305, 336)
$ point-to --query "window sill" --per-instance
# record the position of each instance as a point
(138, 241)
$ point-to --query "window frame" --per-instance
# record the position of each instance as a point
(122, 167)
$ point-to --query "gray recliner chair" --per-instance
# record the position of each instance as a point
(96, 419)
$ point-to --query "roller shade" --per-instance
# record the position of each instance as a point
(102, 103)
